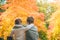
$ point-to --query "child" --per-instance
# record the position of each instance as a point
(18, 32)
(31, 33)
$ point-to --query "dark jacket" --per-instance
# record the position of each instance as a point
(32, 33)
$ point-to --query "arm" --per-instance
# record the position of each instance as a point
(27, 27)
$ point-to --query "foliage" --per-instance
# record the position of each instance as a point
(55, 20)
(2, 2)
(46, 8)
(43, 35)
(47, 25)
(2, 10)
(22, 10)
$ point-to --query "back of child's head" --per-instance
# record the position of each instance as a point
(18, 21)
(30, 20)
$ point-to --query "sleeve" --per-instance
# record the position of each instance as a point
(34, 34)
(27, 27)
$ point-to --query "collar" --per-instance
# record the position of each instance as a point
(31, 24)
